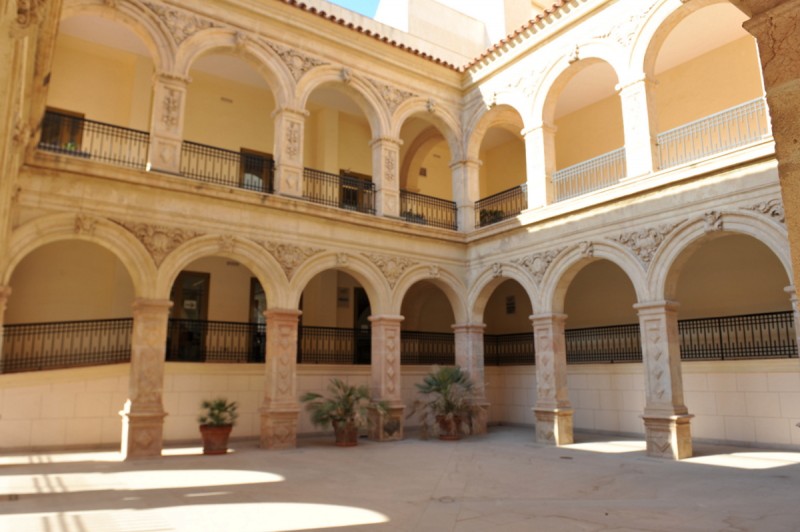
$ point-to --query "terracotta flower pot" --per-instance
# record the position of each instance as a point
(449, 427)
(346, 433)
(215, 438)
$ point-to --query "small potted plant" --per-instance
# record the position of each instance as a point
(447, 406)
(216, 422)
(345, 409)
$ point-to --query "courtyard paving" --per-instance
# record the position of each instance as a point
(501, 481)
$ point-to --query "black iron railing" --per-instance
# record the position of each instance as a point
(427, 210)
(508, 349)
(345, 192)
(226, 167)
(41, 346)
(501, 206)
(334, 345)
(78, 137)
(425, 348)
(594, 345)
(215, 341)
(770, 335)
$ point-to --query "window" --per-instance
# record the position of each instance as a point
(62, 131)
(511, 305)
(351, 193)
(256, 170)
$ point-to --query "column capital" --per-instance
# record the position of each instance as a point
(641, 79)
(386, 318)
(282, 314)
(541, 126)
(388, 140)
(554, 316)
(649, 307)
(469, 327)
(477, 163)
(171, 78)
(152, 305)
(300, 114)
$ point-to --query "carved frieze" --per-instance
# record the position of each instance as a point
(159, 240)
(537, 263)
(30, 12)
(181, 24)
(297, 63)
(392, 95)
(772, 209)
(645, 242)
(85, 224)
(391, 267)
(390, 165)
(170, 109)
(624, 31)
(289, 256)
(292, 139)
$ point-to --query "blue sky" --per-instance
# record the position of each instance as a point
(365, 7)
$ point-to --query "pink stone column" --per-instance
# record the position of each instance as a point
(143, 413)
(469, 356)
(386, 381)
(666, 418)
(279, 411)
(5, 293)
(553, 410)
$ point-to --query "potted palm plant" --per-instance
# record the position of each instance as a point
(216, 422)
(345, 409)
(447, 404)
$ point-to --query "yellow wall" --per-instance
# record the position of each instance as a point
(228, 115)
(229, 290)
(102, 83)
(337, 141)
(70, 280)
(589, 132)
(435, 157)
(495, 317)
(355, 152)
(600, 294)
(503, 167)
(710, 83)
(320, 300)
(426, 308)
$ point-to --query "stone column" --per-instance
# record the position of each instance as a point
(639, 122)
(385, 175)
(280, 409)
(466, 191)
(666, 418)
(5, 292)
(143, 413)
(166, 123)
(553, 410)
(795, 311)
(289, 135)
(386, 381)
(540, 161)
(469, 355)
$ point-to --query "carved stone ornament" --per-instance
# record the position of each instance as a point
(390, 166)
(772, 208)
(297, 63)
(586, 249)
(526, 84)
(497, 269)
(345, 75)
(289, 256)
(575, 55)
(170, 109)
(240, 40)
(85, 224)
(341, 259)
(538, 263)
(227, 243)
(392, 95)
(434, 271)
(158, 239)
(22, 132)
(30, 11)
(292, 140)
(391, 267)
(645, 243)
(624, 31)
(713, 221)
(430, 105)
(181, 24)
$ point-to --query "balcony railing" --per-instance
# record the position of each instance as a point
(41, 346)
(345, 192)
(501, 206)
(333, 345)
(769, 335)
(78, 137)
(585, 177)
(425, 348)
(226, 167)
(215, 341)
(427, 210)
(723, 131)
(508, 349)
(617, 343)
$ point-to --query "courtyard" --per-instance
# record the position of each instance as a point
(501, 481)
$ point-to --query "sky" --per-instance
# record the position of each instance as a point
(365, 7)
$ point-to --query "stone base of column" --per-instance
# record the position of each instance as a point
(142, 433)
(668, 436)
(279, 429)
(388, 426)
(554, 426)
(480, 419)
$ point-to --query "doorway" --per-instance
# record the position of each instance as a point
(189, 317)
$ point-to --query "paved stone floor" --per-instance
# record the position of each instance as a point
(502, 481)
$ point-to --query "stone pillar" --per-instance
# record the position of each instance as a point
(466, 191)
(5, 292)
(143, 413)
(795, 311)
(666, 418)
(166, 123)
(540, 161)
(385, 175)
(469, 355)
(386, 381)
(553, 410)
(289, 135)
(639, 122)
(280, 410)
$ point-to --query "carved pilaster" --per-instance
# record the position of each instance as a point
(280, 410)
(469, 356)
(385, 168)
(540, 154)
(143, 413)
(466, 191)
(553, 410)
(289, 133)
(166, 124)
(386, 383)
(639, 124)
(664, 407)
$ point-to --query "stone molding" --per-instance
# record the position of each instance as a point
(391, 267)
(159, 240)
(538, 263)
(289, 256)
(297, 63)
(392, 96)
(645, 242)
(181, 24)
(772, 209)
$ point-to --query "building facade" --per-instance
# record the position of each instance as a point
(246, 199)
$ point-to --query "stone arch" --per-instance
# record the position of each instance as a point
(488, 280)
(361, 269)
(678, 246)
(442, 120)
(363, 93)
(261, 264)
(153, 34)
(265, 61)
(445, 280)
(426, 140)
(566, 266)
(105, 233)
(502, 115)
